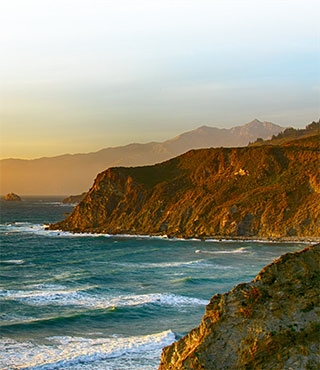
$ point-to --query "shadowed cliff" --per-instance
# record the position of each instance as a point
(269, 323)
(265, 191)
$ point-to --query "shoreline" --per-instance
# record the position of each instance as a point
(214, 238)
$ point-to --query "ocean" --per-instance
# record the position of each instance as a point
(81, 301)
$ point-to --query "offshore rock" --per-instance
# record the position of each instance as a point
(12, 197)
(258, 191)
(269, 323)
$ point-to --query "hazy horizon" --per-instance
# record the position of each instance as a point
(142, 142)
(79, 76)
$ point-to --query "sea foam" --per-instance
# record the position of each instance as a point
(224, 251)
(60, 296)
(73, 352)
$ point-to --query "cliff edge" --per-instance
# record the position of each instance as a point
(269, 323)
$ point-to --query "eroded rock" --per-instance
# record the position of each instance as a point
(269, 323)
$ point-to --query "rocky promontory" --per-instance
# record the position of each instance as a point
(12, 197)
(259, 191)
(270, 323)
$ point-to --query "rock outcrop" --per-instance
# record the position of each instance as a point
(12, 197)
(74, 199)
(269, 323)
(263, 191)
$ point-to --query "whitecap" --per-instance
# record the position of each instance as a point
(15, 262)
(73, 351)
(41, 229)
(145, 265)
(61, 296)
(238, 250)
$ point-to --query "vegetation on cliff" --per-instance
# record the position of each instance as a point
(290, 134)
(269, 323)
(263, 191)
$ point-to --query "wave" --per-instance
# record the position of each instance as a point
(40, 229)
(258, 241)
(61, 296)
(62, 352)
(238, 250)
(153, 265)
(54, 203)
(14, 262)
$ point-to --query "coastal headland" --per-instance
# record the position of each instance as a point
(264, 192)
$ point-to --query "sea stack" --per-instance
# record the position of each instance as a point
(12, 197)
(269, 323)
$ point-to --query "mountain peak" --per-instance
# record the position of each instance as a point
(255, 121)
(203, 127)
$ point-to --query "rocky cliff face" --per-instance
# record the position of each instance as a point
(266, 191)
(270, 323)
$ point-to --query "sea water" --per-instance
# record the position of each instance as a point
(81, 301)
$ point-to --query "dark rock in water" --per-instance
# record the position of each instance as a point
(263, 191)
(74, 199)
(269, 323)
(12, 197)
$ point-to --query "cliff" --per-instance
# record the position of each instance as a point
(258, 191)
(269, 323)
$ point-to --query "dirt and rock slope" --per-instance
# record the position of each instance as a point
(270, 323)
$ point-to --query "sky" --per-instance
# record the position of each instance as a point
(81, 75)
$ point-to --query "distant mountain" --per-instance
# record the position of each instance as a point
(74, 173)
(259, 191)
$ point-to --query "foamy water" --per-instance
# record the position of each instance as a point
(55, 295)
(73, 351)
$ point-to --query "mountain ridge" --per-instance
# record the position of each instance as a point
(73, 173)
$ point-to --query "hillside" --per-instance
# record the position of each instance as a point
(263, 191)
(269, 323)
(73, 174)
(290, 134)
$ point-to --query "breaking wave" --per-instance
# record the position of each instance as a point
(63, 352)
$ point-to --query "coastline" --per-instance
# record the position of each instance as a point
(214, 238)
